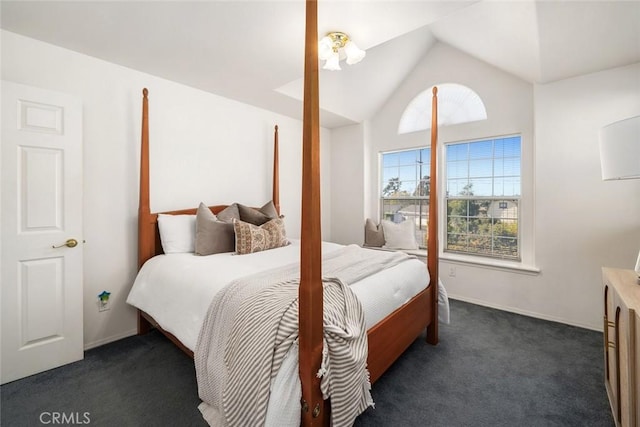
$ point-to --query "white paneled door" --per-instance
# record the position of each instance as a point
(41, 230)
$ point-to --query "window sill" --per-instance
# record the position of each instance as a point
(496, 264)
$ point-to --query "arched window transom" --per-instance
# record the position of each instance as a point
(456, 104)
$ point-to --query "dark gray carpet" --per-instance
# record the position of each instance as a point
(491, 368)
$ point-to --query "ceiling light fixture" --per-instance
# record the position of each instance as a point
(329, 50)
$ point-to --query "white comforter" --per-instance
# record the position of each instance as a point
(177, 289)
(253, 323)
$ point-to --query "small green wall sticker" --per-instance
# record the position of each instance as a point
(103, 301)
(104, 297)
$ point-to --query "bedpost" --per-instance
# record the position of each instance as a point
(310, 291)
(145, 225)
(144, 210)
(432, 247)
(276, 172)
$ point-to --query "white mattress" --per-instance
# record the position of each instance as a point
(177, 289)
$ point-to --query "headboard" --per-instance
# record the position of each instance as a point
(148, 232)
(151, 241)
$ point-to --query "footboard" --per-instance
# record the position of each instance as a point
(391, 337)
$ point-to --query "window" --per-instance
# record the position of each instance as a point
(484, 217)
(483, 197)
(456, 104)
(405, 189)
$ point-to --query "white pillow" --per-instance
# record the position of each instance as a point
(177, 233)
(399, 236)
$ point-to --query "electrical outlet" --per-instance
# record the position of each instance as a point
(104, 306)
(452, 271)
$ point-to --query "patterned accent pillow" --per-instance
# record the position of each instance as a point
(252, 238)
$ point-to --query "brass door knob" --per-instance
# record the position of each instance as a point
(70, 243)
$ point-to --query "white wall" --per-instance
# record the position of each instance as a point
(582, 222)
(347, 177)
(575, 222)
(509, 105)
(203, 148)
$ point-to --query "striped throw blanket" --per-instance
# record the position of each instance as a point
(253, 322)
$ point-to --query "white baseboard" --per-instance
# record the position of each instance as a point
(98, 343)
(525, 312)
(132, 332)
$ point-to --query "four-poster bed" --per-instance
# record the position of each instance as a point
(388, 338)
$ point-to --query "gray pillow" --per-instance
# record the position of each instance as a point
(213, 236)
(229, 213)
(257, 216)
(269, 209)
(373, 234)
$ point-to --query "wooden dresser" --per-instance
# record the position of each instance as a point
(622, 344)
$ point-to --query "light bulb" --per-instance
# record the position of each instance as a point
(333, 62)
(325, 48)
(354, 54)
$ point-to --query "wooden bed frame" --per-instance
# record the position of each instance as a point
(390, 337)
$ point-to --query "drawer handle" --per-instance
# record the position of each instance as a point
(608, 322)
(611, 344)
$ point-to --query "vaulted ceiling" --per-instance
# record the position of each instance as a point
(252, 51)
